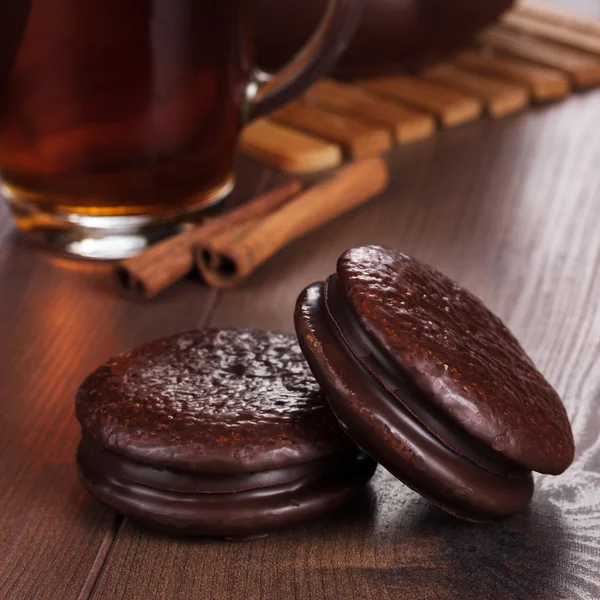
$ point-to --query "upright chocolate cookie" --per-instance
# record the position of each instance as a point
(216, 432)
(432, 384)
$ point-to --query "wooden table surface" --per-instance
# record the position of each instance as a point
(511, 209)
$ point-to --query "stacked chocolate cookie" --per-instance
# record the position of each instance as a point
(216, 432)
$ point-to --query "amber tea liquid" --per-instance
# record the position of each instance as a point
(121, 107)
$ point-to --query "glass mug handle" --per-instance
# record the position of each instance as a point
(266, 91)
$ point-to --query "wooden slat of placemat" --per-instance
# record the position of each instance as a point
(452, 108)
(544, 83)
(535, 53)
(358, 139)
(583, 68)
(501, 98)
(554, 32)
(287, 148)
(556, 16)
(409, 125)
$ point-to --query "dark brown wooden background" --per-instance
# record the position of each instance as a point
(511, 209)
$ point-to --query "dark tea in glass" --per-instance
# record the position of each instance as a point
(120, 117)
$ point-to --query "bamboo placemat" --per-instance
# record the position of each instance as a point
(534, 54)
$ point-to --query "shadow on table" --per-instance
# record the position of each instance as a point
(391, 541)
(519, 557)
(408, 550)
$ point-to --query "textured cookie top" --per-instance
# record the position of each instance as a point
(214, 401)
(460, 354)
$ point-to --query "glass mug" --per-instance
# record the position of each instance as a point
(120, 118)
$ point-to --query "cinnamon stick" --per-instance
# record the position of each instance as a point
(224, 263)
(161, 265)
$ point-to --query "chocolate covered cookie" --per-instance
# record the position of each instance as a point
(431, 384)
(215, 432)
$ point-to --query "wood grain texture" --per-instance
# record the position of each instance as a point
(59, 319)
(509, 208)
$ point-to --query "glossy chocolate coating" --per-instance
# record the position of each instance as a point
(236, 514)
(383, 426)
(119, 467)
(459, 354)
(213, 401)
(393, 35)
(405, 391)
